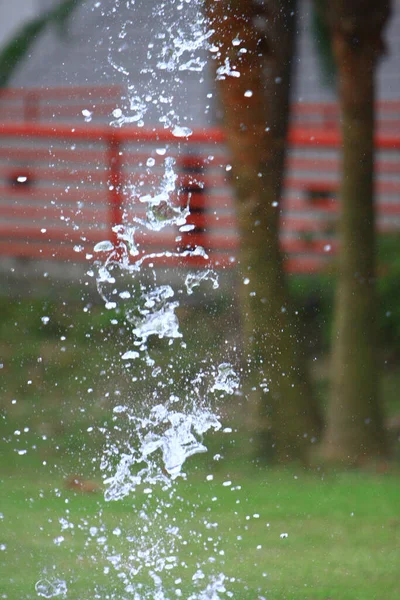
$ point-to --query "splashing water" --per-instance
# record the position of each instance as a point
(193, 280)
(148, 442)
(227, 380)
(177, 435)
(50, 588)
(161, 211)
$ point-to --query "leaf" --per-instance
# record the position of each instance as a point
(60, 15)
(322, 42)
(18, 48)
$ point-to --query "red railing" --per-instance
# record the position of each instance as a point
(65, 104)
(62, 189)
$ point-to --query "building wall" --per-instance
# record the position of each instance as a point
(308, 85)
(14, 14)
(85, 55)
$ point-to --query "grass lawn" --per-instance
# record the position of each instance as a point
(274, 533)
(343, 534)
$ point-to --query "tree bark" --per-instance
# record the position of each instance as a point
(253, 49)
(355, 430)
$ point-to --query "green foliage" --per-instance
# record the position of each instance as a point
(61, 14)
(314, 297)
(389, 289)
(322, 42)
(64, 347)
(18, 48)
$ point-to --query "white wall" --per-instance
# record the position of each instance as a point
(13, 14)
(81, 58)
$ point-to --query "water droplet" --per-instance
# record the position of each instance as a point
(226, 379)
(87, 114)
(59, 540)
(124, 295)
(182, 131)
(130, 354)
(50, 588)
(193, 280)
(104, 246)
(188, 227)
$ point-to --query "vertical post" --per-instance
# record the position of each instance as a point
(330, 116)
(114, 185)
(31, 107)
(193, 191)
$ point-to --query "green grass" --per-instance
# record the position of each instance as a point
(343, 527)
(343, 533)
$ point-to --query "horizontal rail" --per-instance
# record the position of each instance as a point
(302, 137)
(62, 92)
(317, 107)
(96, 133)
(100, 177)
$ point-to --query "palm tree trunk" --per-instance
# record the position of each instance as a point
(355, 430)
(259, 47)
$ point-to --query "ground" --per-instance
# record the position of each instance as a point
(61, 382)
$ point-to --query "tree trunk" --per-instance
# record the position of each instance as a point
(355, 430)
(253, 55)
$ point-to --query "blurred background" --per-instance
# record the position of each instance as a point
(90, 93)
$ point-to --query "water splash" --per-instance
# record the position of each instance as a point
(226, 381)
(162, 208)
(156, 428)
(193, 280)
(166, 430)
(214, 587)
(170, 434)
(50, 588)
(155, 316)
